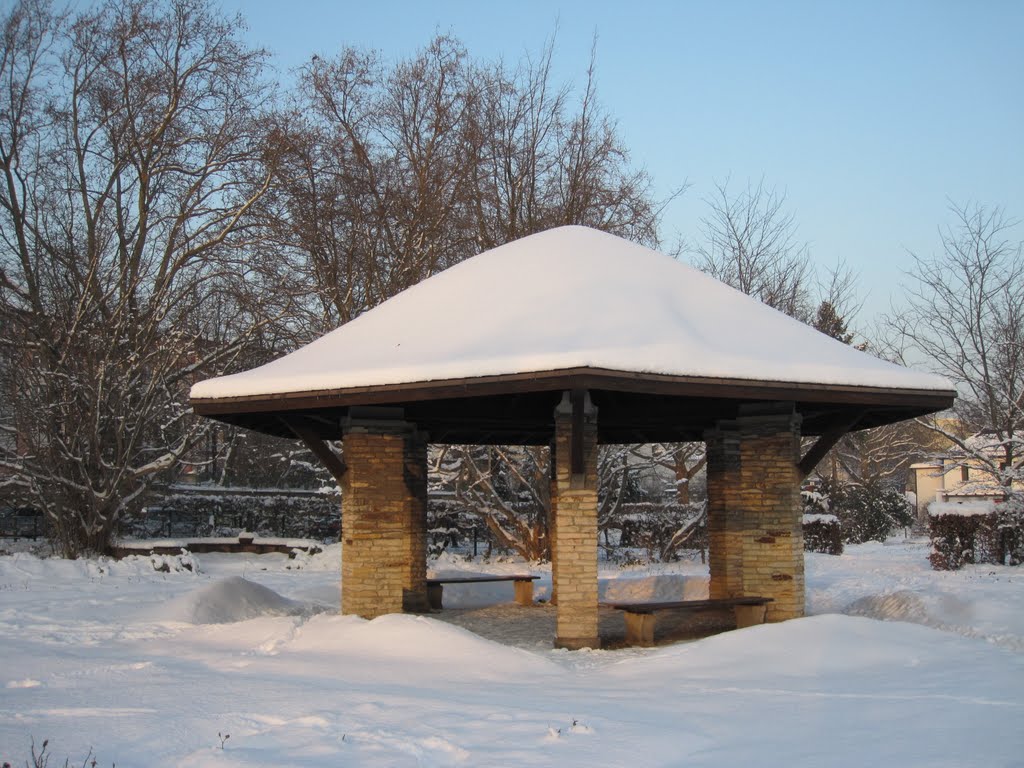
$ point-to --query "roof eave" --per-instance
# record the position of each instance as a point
(577, 378)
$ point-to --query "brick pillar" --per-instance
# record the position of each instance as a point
(755, 536)
(773, 547)
(384, 512)
(574, 504)
(725, 516)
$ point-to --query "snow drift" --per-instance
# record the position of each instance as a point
(228, 600)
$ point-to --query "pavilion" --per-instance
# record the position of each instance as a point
(572, 338)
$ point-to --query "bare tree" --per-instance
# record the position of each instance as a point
(546, 160)
(838, 305)
(373, 190)
(130, 157)
(393, 172)
(750, 242)
(663, 473)
(880, 456)
(964, 317)
(507, 487)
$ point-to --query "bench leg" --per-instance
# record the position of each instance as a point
(435, 593)
(524, 592)
(749, 615)
(639, 629)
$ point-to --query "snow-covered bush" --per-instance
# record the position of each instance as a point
(866, 512)
(958, 531)
(823, 533)
(822, 530)
(185, 561)
(658, 529)
(1010, 522)
(220, 512)
(451, 527)
(975, 532)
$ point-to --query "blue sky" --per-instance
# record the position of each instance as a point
(870, 115)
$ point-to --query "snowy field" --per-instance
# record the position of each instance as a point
(897, 665)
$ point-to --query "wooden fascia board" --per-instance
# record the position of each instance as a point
(577, 378)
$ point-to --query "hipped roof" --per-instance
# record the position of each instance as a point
(570, 307)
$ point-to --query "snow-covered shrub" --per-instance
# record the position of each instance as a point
(658, 529)
(21, 522)
(1010, 530)
(975, 532)
(868, 512)
(185, 561)
(225, 512)
(452, 527)
(823, 533)
(822, 530)
(958, 531)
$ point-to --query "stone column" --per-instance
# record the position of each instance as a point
(755, 536)
(384, 511)
(773, 546)
(725, 515)
(574, 503)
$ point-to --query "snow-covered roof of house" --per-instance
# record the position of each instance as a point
(570, 299)
(983, 487)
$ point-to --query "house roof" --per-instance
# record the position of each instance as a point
(985, 487)
(572, 307)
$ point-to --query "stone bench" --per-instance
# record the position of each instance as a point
(641, 617)
(523, 587)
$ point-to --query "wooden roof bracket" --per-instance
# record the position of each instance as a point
(320, 448)
(825, 442)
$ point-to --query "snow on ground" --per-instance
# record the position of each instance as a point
(894, 581)
(147, 668)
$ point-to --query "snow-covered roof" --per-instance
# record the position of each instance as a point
(986, 487)
(567, 298)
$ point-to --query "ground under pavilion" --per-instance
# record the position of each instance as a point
(572, 338)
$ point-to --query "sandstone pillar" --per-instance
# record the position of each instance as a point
(574, 506)
(384, 509)
(725, 516)
(755, 536)
(773, 547)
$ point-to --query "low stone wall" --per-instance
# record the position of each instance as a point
(243, 544)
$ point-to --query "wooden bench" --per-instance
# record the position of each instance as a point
(523, 587)
(641, 617)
